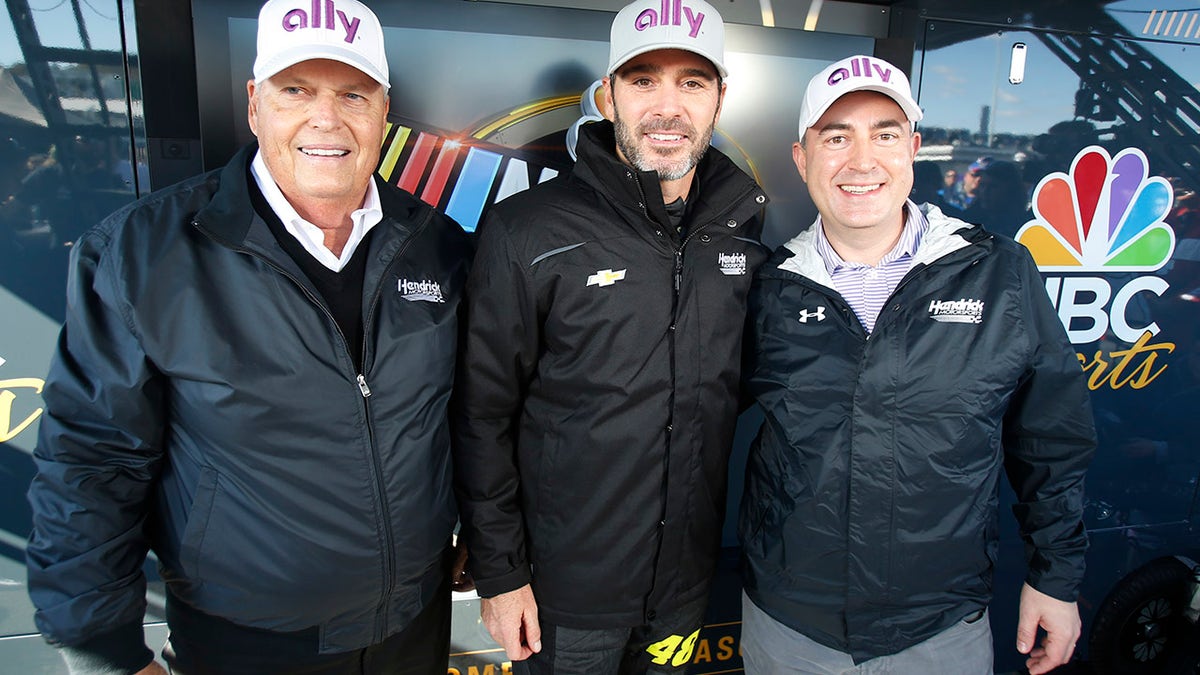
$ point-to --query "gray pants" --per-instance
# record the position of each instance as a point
(771, 648)
(662, 647)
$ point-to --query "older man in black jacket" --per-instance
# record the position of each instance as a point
(253, 381)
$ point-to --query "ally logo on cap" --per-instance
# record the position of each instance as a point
(298, 18)
(861, 67)
(671, 13)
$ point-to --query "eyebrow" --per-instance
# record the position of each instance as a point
(655, 69)
(843, 126)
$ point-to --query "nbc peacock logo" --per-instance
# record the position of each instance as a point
(1106, 215)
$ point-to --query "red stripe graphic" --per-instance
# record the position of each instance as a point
(441, 173)
(422, 149)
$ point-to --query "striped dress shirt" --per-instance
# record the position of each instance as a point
(864, 287)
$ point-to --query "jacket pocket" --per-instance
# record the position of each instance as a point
(191, 546)
(548, 516)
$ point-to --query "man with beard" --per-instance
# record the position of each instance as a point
(598, 385)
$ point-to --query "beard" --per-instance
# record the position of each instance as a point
(657, 160)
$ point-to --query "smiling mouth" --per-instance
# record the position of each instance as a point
(860, 189)
(324, 152)
(666, 138)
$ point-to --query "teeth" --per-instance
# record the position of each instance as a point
(665, 137)
(324, 153)
(860, 189)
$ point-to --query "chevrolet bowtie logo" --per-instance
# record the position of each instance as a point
(605, 278)
(819, 315)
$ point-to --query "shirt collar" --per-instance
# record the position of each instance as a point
(915, 226)
(309, 235)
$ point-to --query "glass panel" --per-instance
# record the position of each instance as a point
(66, 162)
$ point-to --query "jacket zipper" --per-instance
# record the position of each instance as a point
(365, 391)
(677, 283)
(388, 535)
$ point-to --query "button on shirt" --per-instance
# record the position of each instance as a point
(864, 287)
(311, 237)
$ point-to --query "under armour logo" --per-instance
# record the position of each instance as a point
(805, 315)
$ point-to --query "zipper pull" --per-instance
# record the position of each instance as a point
(678, 269)
(362, 386)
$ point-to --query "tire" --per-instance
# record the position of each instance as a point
(1141, 621)
(1185, 660)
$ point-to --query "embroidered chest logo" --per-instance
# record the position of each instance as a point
(424, 291)
(605, 278)
(732, 264)
(819, 314)
(956, 311)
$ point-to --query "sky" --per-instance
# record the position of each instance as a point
(55, 22)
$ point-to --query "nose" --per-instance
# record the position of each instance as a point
(324, 113)
(862, 157)
(668, 102)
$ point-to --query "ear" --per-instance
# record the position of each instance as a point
(252, 107)
(608, 106)
(916, 142)
(800, 160)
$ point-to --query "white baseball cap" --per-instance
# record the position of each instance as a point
(291, 31)
(856, 73)
(647, 25)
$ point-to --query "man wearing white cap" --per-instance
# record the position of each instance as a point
(253, 382)
(902, 359)
(598, 385)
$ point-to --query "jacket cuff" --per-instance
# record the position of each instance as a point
(118, 652)
(488, 588)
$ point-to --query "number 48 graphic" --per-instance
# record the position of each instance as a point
(675, 649)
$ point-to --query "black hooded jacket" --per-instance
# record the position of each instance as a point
(598, 387)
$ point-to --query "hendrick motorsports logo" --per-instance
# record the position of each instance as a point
(425, 291)
(956, 311)
(732, 264)
(1106, 215)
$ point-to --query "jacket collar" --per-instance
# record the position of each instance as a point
(229, 217)
(944, 236)
(720, 189)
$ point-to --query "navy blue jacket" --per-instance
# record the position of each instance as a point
(203, 403)
(869, 520)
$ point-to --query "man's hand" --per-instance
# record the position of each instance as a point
(1059, 619)
(460, 578)
(512, 620)
(152, 669)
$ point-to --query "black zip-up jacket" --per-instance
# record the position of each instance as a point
(599, 386)
(204, 404)
(869, 520)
